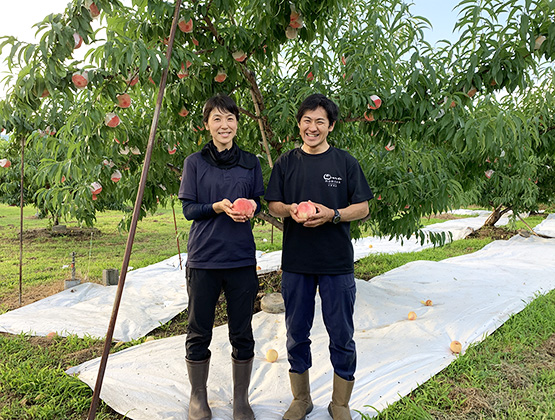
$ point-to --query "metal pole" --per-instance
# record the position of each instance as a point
(21, 225)
(72, 266)
(133, 227)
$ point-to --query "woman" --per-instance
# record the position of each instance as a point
(220, 253)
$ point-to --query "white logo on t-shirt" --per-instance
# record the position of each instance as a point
(332, 181)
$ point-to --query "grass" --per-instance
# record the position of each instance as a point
(510, 375)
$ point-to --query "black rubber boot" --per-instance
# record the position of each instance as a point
(198, 404)
(241, 380)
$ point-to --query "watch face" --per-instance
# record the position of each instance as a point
(336, 217)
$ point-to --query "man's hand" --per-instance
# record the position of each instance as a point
(323, 215)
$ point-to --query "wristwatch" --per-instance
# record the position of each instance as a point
(336, 217)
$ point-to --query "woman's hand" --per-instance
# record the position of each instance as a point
(226, 206)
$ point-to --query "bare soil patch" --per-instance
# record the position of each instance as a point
(493, 232)
(30, 294)
(74, 232)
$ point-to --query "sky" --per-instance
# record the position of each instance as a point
(18, 18)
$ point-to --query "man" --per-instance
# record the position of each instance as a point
(317, 251)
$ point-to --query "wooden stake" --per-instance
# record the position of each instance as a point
(21, 223)
(133, 227)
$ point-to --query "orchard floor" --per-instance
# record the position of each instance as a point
(498, 281)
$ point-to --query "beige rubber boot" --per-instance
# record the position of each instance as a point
(302, 403)
(241, 379)
(198, 404)
(339, 405)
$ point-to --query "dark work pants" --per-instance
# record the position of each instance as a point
(240, 286)
(337, 293)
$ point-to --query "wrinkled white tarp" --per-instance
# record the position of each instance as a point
(472, 296)
(547, 227)
(155, 294)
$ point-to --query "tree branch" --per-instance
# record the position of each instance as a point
(270, 219)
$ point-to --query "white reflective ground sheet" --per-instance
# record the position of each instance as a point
(472, 296)
(155, 294)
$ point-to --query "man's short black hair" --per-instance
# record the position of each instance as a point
(318, 100)
(221, 102)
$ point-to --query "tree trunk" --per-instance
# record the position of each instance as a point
(495, 215)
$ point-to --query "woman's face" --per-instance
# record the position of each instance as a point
(223, 128)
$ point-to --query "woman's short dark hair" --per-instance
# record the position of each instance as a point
(221, 102)
(318, 100)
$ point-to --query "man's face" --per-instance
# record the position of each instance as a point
(223, 127)
(314, 128)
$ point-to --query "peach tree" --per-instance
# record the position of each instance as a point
(422, 119)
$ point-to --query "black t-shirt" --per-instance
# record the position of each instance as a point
(218, 241)
(333, 178)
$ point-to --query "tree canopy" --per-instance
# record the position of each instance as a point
(434, 126)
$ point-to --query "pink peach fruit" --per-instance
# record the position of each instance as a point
(368, 116)
(376, 102)
(124, 100)
(132, 81)
(221, 76)
(243, 206)
(77, 40)
(80, 79)
(183, 72)
(111, 120)
(186, 26)
(412, 316)
(96, 188)
(240, 56)
(305, 209)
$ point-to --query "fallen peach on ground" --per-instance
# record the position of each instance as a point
(455, 346)
(271, 355)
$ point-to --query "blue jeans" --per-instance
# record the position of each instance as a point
(337, 293)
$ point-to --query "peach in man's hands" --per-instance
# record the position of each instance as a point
(305, 209)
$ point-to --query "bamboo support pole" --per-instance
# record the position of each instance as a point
(133, 227)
